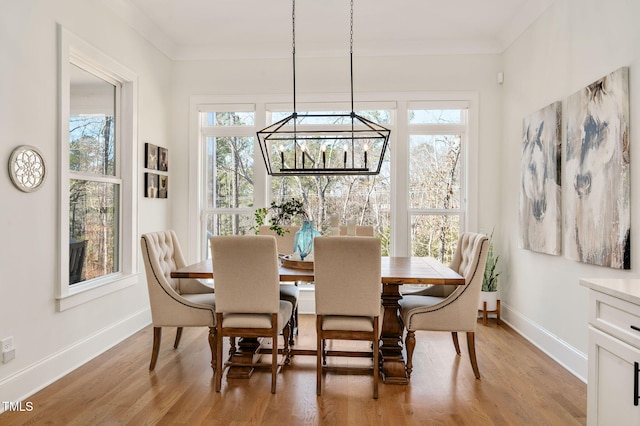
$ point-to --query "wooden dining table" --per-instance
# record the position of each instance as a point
(396, 271)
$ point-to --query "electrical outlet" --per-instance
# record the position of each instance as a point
(7, 344)
(8, 355)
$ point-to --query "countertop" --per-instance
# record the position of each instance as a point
(623, 288)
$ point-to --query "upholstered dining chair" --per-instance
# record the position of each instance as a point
(174, 302)
(361, 230)
(289, 291)
(248, 295)
(348, 284)
(453, 309)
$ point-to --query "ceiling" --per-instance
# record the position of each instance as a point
(207, 29)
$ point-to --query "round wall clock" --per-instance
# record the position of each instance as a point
(27, 168)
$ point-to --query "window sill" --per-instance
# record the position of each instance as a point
(78, 296)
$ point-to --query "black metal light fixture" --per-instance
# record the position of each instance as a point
(291, 148)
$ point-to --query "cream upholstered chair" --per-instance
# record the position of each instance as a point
(288, 291)
(248, 295)
(348, 283)
(174, 302)
(453, 312)
(361, 230)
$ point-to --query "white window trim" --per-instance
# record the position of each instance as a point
(74, 50)
(400, 212)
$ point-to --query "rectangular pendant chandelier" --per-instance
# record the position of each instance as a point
(292, 148)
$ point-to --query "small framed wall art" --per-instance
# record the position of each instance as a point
(150, 156)
(163, 159)
(151, 185)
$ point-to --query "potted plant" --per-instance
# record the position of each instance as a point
(489, 291)
(280, 215)
(283, 214)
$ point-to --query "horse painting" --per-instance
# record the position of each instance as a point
(597, 173)
(540, 222)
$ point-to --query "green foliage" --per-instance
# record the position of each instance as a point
(281, 214)
(490, 281)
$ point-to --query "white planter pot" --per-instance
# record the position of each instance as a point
(491, 297)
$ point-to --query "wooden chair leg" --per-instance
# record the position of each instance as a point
(274, 351)
(376, 367)
(157, 336)
(294, 325)
(471, 344)
(287, 333)
(178, 336)
(319, 356)
(218, 352)
(213, 345)
(410, 344)
(454, 335)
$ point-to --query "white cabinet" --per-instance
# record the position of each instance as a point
(614, 352)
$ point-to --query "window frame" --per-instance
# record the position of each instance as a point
(435, 129)
(398, 145)
(74, 50)
(205, 132)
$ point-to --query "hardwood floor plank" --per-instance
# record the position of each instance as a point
(520, 385)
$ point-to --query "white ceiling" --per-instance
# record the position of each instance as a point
(206, 29)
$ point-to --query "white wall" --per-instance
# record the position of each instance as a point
(50, 343)
(573, 44)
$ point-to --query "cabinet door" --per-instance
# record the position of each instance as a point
(611, 388)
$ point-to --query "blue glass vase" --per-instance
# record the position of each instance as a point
(303, 240)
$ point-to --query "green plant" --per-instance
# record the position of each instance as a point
(490, 281)
(280, 215)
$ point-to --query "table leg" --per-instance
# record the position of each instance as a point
(391, 356)
(246, 351)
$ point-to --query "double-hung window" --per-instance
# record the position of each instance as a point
(228, 139)
(437, 136)
(97, 174)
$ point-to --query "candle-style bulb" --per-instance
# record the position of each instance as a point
(282, 156)
(345, 155)
(366, 147)
(324, 156)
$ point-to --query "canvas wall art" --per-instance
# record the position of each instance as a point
(540, 182)
(597, 173)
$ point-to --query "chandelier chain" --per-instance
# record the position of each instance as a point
(351, 30)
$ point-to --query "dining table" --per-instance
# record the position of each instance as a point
(395, 272)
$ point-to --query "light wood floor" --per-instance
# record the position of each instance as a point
(519, 386)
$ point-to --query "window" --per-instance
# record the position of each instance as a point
(364, 199)
(97, 176)
(436, 138)
(228, 152)
(418, 204)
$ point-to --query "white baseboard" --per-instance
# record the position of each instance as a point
(307, 299)
(24, 383)
(560, 351)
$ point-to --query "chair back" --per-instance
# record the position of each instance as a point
(284, 242)
(246, 273)
(76, 261)
(348, 276)
(161, 254)
(361, 230)
(469, 260)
